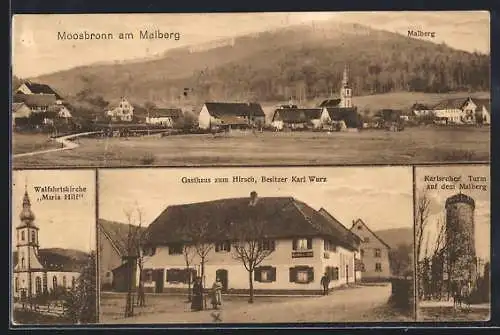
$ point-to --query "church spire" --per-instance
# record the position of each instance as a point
(345, 77)
(345, 90)
(26, 212)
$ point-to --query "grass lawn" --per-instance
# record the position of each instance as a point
(450, 314)
(22, 143)
(33, 318)
(413, 145)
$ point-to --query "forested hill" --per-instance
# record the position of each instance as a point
(304, 61)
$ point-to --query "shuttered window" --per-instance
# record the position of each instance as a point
(265, 274)
(302, 244)
(332, 272)
(224, 246)
(301, 274)
(180, 275)
(267, 245)
(175, 249)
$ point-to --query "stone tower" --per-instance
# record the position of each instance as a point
(345, 91)
(460, 242)
(27, 249)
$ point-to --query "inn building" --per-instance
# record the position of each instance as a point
(303, 242)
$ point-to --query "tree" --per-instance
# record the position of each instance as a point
(400, 259)
(135, 258)
(81, 301)
(250, 246)
(421, 221)
(188, 252)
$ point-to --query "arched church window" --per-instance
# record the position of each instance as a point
(22, 235)
(73, 282)
(38, 282)
(64, 281)
(33, 236)
(54, 282)
(22, 262)
(16, 284)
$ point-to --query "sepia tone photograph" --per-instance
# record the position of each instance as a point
(53, 234)
(453, 243)
(255, 245)
(231, 88)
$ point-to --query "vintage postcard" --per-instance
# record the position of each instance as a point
(251, 88)
(256, 245)
(452, 230)
(53, 247)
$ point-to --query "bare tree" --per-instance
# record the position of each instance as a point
(188, 252)
(135, 259)
(421, 221)
(249, 248)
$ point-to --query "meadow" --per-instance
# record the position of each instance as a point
(22, 143)
(411, 146)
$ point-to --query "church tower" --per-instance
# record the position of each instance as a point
(345, 91)
(27, 249)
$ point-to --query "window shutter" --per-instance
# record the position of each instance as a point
(256, 274)
(309, 244)
(293, 275)
(273, 274)
(294, 244)
(310, 274)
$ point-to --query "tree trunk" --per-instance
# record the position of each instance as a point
(141, 296)
(203, 282)
(189, 283)
(250, 280)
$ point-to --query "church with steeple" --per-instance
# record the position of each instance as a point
(341, 108)
(38, 271)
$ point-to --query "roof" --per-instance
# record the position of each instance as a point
(218, 109)
(460, 198)
(330, 102)
(456, 103)
(37, 88)
(59, 259)
(349, 115)
(17, 105)
(344, 233)
(32, 100)
(420, 107)
(355, 223)
(232, 119)
(296, 115)
(281, 217)
(166, 112)
(117, 233)
(482, 102)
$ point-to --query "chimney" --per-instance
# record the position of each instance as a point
(253, 198)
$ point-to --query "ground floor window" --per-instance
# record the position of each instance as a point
(378, 267)
(54, 282)
(38, 282)
(332, 272)
(301, 274)
(265, 274)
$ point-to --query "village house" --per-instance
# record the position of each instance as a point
(38, 271)
(462, 111)
(299, 118)
(116, 242)
(30, 88)
(304, 243)
(231, 115)
(20, 114)
(165, 117)
(374, 253)
(123, 111)
(421, 110)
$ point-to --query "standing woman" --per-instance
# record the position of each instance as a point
(197, 302)
(217, 294)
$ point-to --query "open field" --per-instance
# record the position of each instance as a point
(413, 145)
(22, 143)
(349, 305)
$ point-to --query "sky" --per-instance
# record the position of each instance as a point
(438, 198)
(63, 223)
(381, 197)
(36, 49)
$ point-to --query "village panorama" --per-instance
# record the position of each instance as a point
(276, 97)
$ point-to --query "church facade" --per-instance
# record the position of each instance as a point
(37, 271)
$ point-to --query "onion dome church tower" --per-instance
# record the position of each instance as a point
(28, 263)
(345, 90)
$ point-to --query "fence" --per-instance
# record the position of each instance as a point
(54, 308)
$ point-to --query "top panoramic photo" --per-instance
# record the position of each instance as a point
(302, 88)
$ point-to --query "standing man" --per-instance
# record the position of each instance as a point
(325, 282)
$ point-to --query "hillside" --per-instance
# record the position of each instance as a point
(304, 61)
(396, 236)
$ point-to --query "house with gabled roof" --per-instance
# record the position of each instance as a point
(32, 88)
(299, 118)
(374, 253)
(303, 245)
(115, 248)
(231, 115)
(165, 117)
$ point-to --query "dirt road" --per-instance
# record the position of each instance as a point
(356, 304)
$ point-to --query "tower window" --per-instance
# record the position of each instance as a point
(22, 262)
(22, 235)
(64, 281)
(54, 282)
(33, 236)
